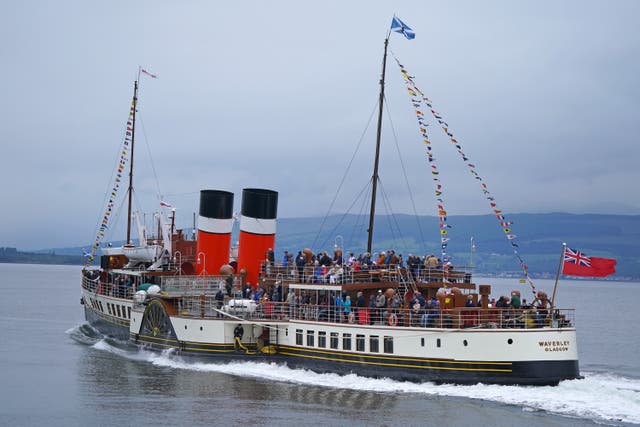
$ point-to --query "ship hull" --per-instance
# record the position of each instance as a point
(213, 339)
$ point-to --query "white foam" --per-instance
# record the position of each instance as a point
(598, 397)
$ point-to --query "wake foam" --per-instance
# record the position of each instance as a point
(598, 397)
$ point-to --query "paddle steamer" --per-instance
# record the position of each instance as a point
(196, 296)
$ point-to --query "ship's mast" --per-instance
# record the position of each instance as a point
(133, 137)
(374, 179)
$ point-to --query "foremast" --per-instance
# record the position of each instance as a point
(133, 138)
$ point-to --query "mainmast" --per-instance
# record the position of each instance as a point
(377, 158)
(133, 137)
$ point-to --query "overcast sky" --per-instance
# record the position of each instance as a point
(542, 95)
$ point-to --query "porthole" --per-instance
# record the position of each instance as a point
(185, 326)
(465, 343)
(200, 327)
(510, 341)
(422, 342)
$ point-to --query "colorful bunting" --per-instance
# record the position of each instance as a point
(122, 161)
(418, 98)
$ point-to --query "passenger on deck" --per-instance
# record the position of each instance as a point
(301, 261)
(469, 302)
(325, 260)
(347, 308)
(360, 301)
(286, 259)
(229, 284)
(270, 256)
(417, 299)
(431, 261)
(338, 308)
(219, 302)
(352, 260)
(238, 332)
(515, 300)
(260, 291)
(381, 305)
(372, 308)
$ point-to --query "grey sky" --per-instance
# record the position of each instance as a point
(542, 95)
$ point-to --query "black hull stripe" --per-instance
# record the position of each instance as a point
(396, 365)
(385, 357)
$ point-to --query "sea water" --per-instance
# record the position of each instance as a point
(56, 370)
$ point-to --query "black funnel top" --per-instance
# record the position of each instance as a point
(216, 204)
(259, 203)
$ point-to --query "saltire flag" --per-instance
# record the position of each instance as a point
(577, 263)
(400, 27)
(153, 76)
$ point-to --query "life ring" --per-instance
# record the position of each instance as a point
(393, 319)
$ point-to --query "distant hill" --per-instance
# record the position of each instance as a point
(12, 255)
(539, 237)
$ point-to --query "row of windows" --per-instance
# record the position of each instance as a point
(113, 309)
(346, 339)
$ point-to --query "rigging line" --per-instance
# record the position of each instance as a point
(360, 218)
(111, 180)
(366, 187)
(389, 212)
(393, 216)
(181, 194)
(111, 229)
(406, 179)
(345, 174)
(153, 166)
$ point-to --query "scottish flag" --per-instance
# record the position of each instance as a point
(400, 27)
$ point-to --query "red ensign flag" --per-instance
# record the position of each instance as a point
(577, 264)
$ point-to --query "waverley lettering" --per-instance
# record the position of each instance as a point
(554, 345)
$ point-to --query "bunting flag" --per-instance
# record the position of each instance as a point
(421, 102)
(122, 162)
(417, 102)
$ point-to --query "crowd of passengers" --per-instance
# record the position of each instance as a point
(389, 307)
(323, 268)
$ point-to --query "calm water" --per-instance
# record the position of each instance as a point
(56, 371)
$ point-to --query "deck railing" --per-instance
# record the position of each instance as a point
(205, 306)
(104, 288)
(349, 274)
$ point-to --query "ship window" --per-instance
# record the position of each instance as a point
(422, 341)
(346, 341)
(374, 344)
(334, 340)
(310, 338)
(118, 309)
(510, 341)
(322, 339)
(286, 332)
(124, 312)
(298, 336)
(359, 342)
(101, 307)
(109, 307)
(438, 342)
(388, 344)
(465, 343)
(129, 312)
